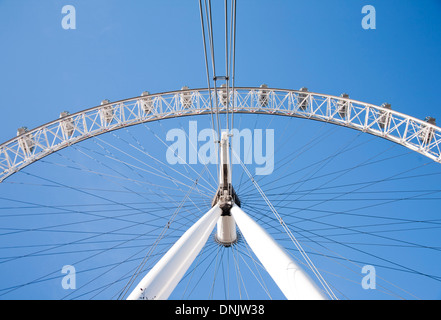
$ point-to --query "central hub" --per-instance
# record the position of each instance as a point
(225, 198)
(226, 233)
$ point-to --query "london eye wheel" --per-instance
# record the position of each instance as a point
(223, 192)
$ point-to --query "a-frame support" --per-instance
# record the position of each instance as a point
(160, 282)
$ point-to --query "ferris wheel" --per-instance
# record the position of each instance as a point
(159, 196)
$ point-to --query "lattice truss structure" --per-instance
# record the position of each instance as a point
(422, 136)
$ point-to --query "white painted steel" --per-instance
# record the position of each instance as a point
(226, 233)
(162, 279)
(226, 227)
(289, 277)
(225, 167)
(415, 134)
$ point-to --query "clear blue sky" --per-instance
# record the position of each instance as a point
(122, 48)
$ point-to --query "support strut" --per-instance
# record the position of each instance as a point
(160, 282)
(289, 277)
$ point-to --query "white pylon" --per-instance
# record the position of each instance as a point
(162, 279)
(224, 155)
(289, 277)
(226, 233)
(160, 282)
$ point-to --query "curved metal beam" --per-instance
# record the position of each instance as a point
(294, 283)
(30, 146)
(162, 279)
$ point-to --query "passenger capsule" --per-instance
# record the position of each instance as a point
(146, 102)
(343, 106)
(263, 95)
(303, 99)
(385, 116)
(26, 142)
(223, 96)
(67, 125)
(427, 133)
(106, 112)
(185, 98)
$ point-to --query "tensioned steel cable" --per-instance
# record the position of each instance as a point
(232, 55)
(346, 245)
(207, 68)
(213, 59)
(227, 71)
(292, 237)
(45, 277)
(229, 51)
(208, 13)
(137, 272)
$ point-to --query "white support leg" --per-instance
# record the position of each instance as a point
(162, 279)
(289, 277)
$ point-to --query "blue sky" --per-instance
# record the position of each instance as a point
(156, 46)
(122, 48)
